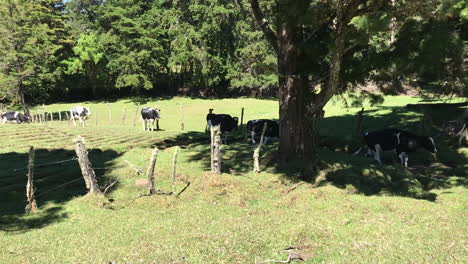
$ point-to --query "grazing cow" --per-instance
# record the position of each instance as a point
(399, 141)
(458, 128)
(226, 122)
(255, 129)
(80, 113)
(149, 115)
(16, 117)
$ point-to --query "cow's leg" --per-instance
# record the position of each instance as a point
(252, 133)
(377, 153)
(73, 118)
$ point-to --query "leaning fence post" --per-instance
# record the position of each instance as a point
(51, 117)
(174, 162)
(60, 116)
(136, 113)
(150, 172)
(256, 154)
(86, 170)
(31, 207)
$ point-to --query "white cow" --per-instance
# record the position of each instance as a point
(80, 113)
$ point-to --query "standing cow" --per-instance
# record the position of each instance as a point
(15, 117)
(148, 116)
(226, 122)
(80, 113)
(255, 129)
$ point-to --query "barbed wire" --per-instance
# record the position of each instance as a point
(61, 185)
(47, 164)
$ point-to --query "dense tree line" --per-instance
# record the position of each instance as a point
(302, 51)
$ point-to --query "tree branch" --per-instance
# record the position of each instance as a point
(264, 25)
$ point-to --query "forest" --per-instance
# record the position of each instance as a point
(89, 49)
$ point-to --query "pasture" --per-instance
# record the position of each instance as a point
(356, 211)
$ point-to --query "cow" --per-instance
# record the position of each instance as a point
(80, 113)
(15, 117)
(255, 129)
(458, 128)
(399, 141)
(150, 115)
(226, 122)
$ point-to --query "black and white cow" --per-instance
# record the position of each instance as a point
(399, 141)
(15, 117)
(149, 116)
(255, 129)
(226, 122)
(79, 113)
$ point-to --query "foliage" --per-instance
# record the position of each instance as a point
(31, 45)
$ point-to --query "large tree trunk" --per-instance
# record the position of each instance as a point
(295, 141)
(24, 105)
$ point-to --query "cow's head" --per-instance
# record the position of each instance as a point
(88, 111)
(236, 121)
(157, 112)
(429, 144)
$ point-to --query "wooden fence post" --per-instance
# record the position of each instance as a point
(86, 170)
(242, 119)
(150, 172)
(174, 162)
(256, 154)
(181, 117)
(110, 113)
(216, 149)
(212, 149)
(60, 116)
(96, 118)
(31, 207)
(51, 117)
(124, 115)
(359, 123)
(68, 118)
(44, 117)
(136, 113)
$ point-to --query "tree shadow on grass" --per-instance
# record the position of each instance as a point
(358, 174)
(57, 179)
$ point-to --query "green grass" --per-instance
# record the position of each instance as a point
(356, 212)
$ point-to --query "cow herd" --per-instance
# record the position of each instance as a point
(399, 141)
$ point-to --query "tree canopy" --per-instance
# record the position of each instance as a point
(93, 48)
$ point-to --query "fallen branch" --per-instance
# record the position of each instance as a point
(291, 256)
(110, 185)
(135, 168)
(294, 187)
(183, 189)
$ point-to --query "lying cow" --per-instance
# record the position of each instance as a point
(149, 116)
(15, 117)
(226, 122)
(255, 129)
(79, 113)
(399, 141)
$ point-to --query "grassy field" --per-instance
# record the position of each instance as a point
(355, 212)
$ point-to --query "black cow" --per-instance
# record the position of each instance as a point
(399, 141)
(149, 115)
(80, 113)
(226, 122)
(255, 129)
(16, 117)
